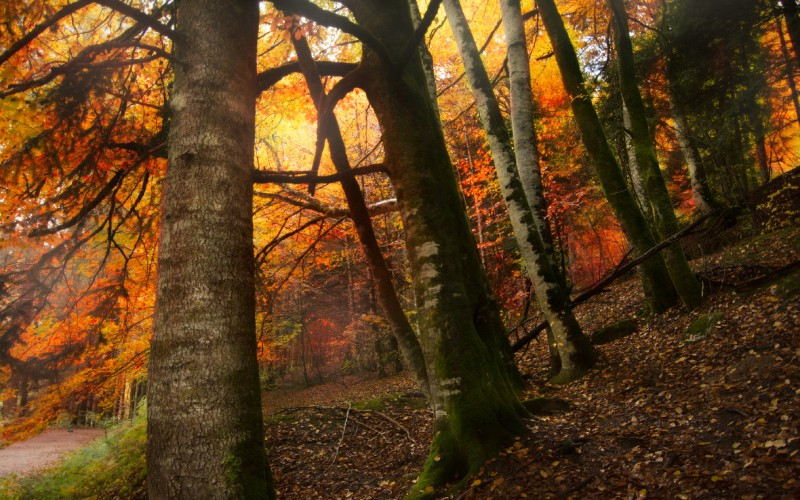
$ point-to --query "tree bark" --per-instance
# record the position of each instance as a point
(575, 350)
(665, 221)
(205, 424)
(637, 183)
(790, 69)
(471, 372)
(791, 12)
(702, 196)
(656, 281)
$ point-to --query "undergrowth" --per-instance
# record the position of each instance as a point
(110, 467)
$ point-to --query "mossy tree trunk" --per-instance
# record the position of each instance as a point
(637, 183)
(471, 372)
(575, 351)
(205, 426)
(656, 280)
(665, 221)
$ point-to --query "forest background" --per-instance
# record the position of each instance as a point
(84, 120)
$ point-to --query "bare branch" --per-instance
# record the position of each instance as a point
(270, 77)
(326, 18)
(41, 27)
(419, 33)
(138, 16)
(266, 176)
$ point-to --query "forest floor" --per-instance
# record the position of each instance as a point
(660, 416)
(43, 451)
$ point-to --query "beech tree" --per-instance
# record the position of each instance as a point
(524, 202)
(665, 222)
(655, 278)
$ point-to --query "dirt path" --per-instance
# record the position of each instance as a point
(43, 450)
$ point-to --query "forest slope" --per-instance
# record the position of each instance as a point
(662, 415)
(718, 416)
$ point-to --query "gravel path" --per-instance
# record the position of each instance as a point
(43, 451)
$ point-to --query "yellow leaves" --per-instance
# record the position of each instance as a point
(497, 482)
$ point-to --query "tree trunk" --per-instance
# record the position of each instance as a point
(637, 183)
(575, 350)
(665, 221)
(701, 192)
(791, 12)
(427, 59)
(471, 372)
(790, 70)
(205, 424)
(762, 159)
(656, 281)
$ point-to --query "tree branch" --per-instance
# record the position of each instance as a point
(618, 271)
(41, 27)
(270, 77)
(379, 208)
(329, 19)
(138, 16)
(268, 176)
(419, 33)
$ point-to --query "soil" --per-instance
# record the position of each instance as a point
(661, 416)
(43, 451)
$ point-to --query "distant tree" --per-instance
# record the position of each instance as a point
(656, 280)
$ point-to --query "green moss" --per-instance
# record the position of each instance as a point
(110, 467)
(374, 404)
(445, 464)
(701, 327)
(615, 331)
(787, 286)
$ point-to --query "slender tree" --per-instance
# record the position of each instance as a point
(358, 211)
(791, 13)
(665, 221)
(575, 352)
(637, 183)
(702, 195)
(655, 278)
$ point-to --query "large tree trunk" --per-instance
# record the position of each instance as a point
(575, 350)
(665, 221)
(205, 424)
(655, 278)
(471, 371)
